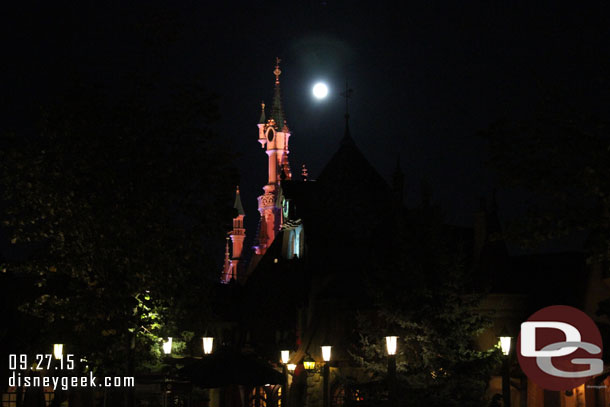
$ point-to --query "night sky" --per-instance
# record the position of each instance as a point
(426, 77)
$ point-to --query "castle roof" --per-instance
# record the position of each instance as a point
(262, 119)
(277, 109)
(237, 205)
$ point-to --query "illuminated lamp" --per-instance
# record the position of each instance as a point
(285, 356)
(167, 346)
(58, 350)
(505, 344)
(208, 343)
(390, 344)
(326, 353)
(309, 363)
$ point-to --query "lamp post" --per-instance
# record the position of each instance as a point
(167, 346)
(285, 356)
(309, 364)
(208, 343)
(390, 342)
(167, 350)
(58, 350)
(326, 351)
(505, 342)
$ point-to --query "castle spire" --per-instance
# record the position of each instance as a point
(277, 110)
(277, 71)
(274, 137)
(226, 269)
(304, 173)
(237, 205)
(263, 119)
(347, 95)
(231, 269)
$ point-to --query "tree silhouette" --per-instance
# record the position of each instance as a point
(119, 203)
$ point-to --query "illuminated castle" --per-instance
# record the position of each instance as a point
(319, 241)
(274, 208)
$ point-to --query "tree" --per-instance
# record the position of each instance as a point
(120, 202)
(561, 157)
(420, 295)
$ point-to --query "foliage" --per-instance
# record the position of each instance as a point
(421, 296)
(561, 157)
(119, 202)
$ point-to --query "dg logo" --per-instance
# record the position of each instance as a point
(560, 348)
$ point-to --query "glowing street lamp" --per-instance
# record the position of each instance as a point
(58, 350)
(325, 375)
(288, 367)
(167, 346)
(505, 344)
(326, 353)
(208, 343)
(390, 343)
(309, 363)
(285, 356)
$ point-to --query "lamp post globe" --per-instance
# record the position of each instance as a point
(208, 344)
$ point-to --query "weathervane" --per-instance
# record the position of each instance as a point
(277, 71)
(347, 95)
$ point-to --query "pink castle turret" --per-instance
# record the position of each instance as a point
(238, 234)
(273, 134)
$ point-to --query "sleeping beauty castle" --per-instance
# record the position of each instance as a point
(274, 209)
(319, 240)
(277, 293)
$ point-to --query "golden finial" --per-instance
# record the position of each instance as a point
(304, 173)
(277, 71)
(263, 105)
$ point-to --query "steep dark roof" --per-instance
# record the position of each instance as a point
(262, 119)
(277, 110)
(348, 164)
(355, 203)
(237, 205)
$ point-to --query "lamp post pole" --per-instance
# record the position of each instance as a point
(285, 386)
(391, 348)
(506, 381)
(505, 342)
(326, 351)
(325, 390)
(309, 365)
(392, 380)
(285, 357)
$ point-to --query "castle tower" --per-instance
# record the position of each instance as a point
(273, 134)
(238, 234)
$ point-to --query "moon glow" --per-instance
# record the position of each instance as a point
(320, 90)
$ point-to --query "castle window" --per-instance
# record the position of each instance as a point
(270, 135)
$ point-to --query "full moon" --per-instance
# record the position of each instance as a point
(320, 90)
